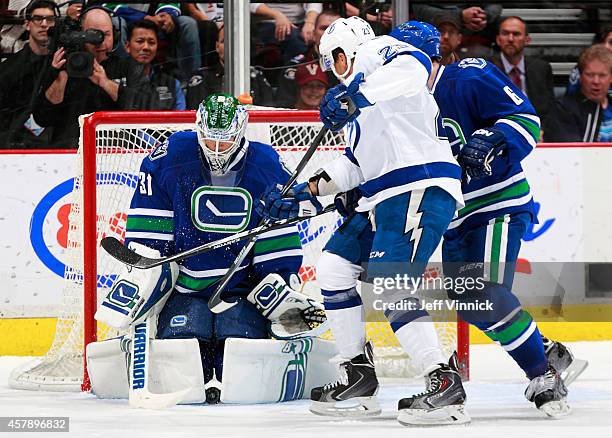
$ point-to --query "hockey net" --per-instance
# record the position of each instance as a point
(112, 147)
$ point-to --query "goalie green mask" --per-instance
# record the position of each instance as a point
(220, 125)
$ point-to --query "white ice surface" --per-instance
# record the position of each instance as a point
(495, 402)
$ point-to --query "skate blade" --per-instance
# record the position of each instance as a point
(354, 407)
(447, 415)
(574, 370)
(556, 409)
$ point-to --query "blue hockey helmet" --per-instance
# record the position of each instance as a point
(423, 36)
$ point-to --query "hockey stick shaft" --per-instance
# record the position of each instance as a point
(139, 394)
(122, 253)
(216, 303)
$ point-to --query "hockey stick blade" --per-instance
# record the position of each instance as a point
(149, 400)
(122, 253)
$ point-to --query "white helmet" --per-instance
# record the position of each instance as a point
(346, 34)
(221, 119)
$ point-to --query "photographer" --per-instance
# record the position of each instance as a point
(20, 76)
(111, 84)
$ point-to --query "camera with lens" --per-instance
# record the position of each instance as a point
(68, 34)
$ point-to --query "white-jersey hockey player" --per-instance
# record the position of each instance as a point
(199, 187)
(411, 188)
(493, 126)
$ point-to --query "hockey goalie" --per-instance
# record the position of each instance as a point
(199, 187)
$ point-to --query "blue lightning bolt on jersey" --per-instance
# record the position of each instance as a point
(178, 205)
(474, 94)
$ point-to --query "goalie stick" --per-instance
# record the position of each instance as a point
(139, 394)
(122, 253)
(216, 303)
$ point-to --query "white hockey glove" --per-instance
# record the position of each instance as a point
(138, 293)
(292, 314)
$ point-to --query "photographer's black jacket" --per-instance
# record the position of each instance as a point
(19, 75)
(83, 97)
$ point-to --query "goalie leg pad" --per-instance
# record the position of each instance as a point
(138, 293)
(175, 366)
(284, 370)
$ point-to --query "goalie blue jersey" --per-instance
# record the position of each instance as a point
(474, 94)
(178, 205)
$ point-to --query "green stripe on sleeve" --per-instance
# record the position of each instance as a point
(532, 127)
(514, 191)
(165, 225)
(195, 283)
(280, 243)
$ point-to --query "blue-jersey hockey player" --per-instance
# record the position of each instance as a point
(411, 189)
(492, 127)
(199, 187)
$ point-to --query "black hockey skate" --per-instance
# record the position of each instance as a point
(549, 393)
(563, 361)
(354, 394)
(443, 401)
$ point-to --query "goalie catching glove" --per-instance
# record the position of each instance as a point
(292, 314)
(297, 202)
(481, 149)
(138, 293)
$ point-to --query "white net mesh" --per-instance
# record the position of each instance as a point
(120, 146)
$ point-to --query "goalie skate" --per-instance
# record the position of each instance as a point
(443, 401)
(354, 394)
(549, 393)
(562, 360)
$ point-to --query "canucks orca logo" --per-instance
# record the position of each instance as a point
(455, 135)
(123, 296)
(266, 296)
(472, 62)
(160, 151)
(221, 209)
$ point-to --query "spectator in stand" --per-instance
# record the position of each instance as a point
(291, 26)
(450, 38)
(287, 89)
(380, 16)
(605, 37)
(20, 75)
(12, 36)
(312, 84)
(586, 116)
(59, 104)
(211, 81)
(209, 17)
(163, 92)
(529, 73)
(180, 30)
(479, 24)
(73, 9)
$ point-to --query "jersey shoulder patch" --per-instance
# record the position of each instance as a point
(180, 147)
(159, 151)
(472, 62)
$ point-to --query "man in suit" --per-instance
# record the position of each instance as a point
(532, 75)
